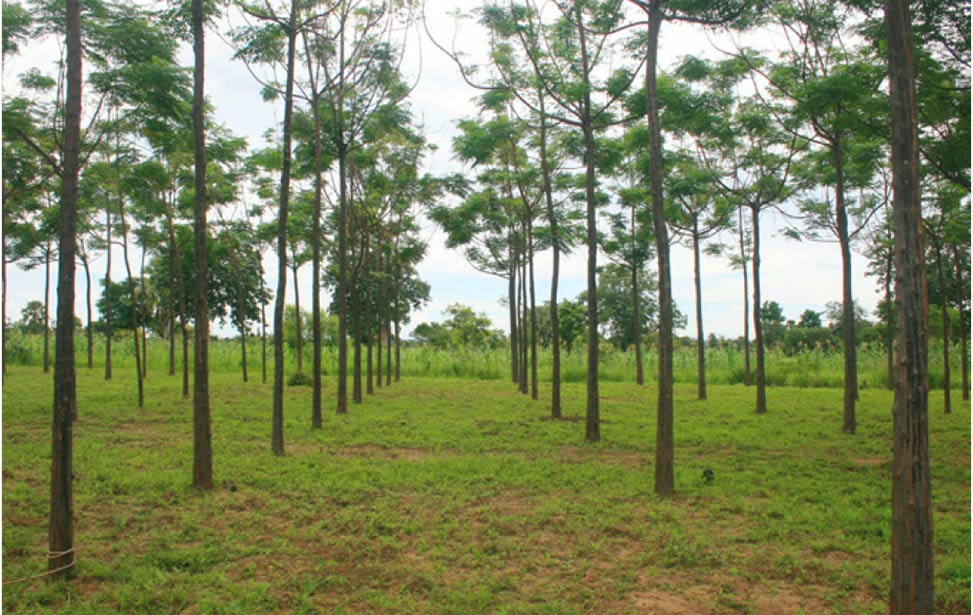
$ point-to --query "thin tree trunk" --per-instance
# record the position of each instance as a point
(369, 330)
(342, 276)
(636, 308)
(134, 298)
(145, 349)
(202, 433)
(277, 429)
(524, 333)
(890, 324)
(664, 454)
(534, 393)
(700, 335)
(89, 330)
(512, 304)
(298, 345)
(183, 310)
(847, 299)
(47, 309)
(388, 353)
(316, 341)
(757, 328)
(241, 299)
(60, 556)
(3, 325)
(395, 292)
(172, 336)
(911, 590)
(263, 331)
(379, 319)
(555, 269)
(944, 312)
(356, 393)
(961, 296)
(107, 315)
(746, 305)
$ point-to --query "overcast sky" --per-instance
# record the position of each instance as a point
(798, 275)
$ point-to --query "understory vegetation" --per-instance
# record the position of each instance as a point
(462, 496)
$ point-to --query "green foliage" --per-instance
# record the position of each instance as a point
(463, 328)
(300, 379)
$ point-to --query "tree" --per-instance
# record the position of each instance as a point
(61, 529)
(809, 319)
(911, 590)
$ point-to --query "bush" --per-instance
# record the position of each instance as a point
(300, 379)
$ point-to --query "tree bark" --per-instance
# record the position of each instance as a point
(47, 309)
(847, 299)
(944, 313)
(342, 275)
(664, 437)
(911, 590)
(107, 314)
(263, 331)
(183, 311)
(316, 249)
(747, 381)
(889, 325)
(277, 428)
(512, 304)
(298, 341)
(757, 327)
(555, 268)
(60, 557)
(534, 393)
(134, 299)
(636, 310)
(961, 297)
(89, 330)
(202, 433)
(700, 335)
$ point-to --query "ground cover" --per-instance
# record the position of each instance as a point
(461, 496)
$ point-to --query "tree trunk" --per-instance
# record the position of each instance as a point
(512, 304)
(944, 312)
(89, 330)
(145, 349)
(388, 353)
(524, 333)
(664, 438)
(241, 298)
(757, 328)
(107, 314)
(356, 393)
(556, 262)
(277, 430)
(700, 335)
(3, 302)
(202, 433)
(534, 393)
(395, 291)
(60, 556)
(889, 325)
(316, 340)
(912, 530)
(298, 345)
(134, 298)
(172, 337)
(636, 311)
(961, 297)
(342, 277)
(847, 299)
(746, 306)
(47, 310)
(369, 341)
(183, 310)
(263, 331)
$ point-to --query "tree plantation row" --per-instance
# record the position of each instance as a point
(581, 143)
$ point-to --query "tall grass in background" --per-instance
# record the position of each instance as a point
(724, 365)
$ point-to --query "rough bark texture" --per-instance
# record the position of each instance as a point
(277, 427)
(889, 328)
(202, 435)
(60, 557)
(912, 531)
(663, 442)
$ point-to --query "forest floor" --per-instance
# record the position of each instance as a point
(463, 497)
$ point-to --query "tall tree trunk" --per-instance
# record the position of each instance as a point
(277, 429)
(380, 318)
(961, 297)
(60, 556)
(144, 317)
(263, 331)
(171, 309)
(512, 305)
(747, 381)
(534, 393)
(889, 325)
(3, 301)
(202, 433)
(369, 330)
(89, 330)
(183, 310)
(700, 335)
(316, 340)
(47, 309)
(356, 393)
(555, 268)
(524, 326)
(664, 437)
(912, 531)
(944, 312)
(298, 340)
(107, 314)
(388, 353)
(636, 311)
(847, 299)
(395, 299)
(134, 299)
(757, 327)
(342, 275)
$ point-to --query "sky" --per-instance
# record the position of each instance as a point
(797, 275)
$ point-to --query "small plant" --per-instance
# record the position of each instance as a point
(300, 379)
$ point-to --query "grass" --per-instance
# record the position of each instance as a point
(461, 496)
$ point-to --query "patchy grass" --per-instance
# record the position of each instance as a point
(453, 496)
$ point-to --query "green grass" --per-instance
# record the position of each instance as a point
(459, 496)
